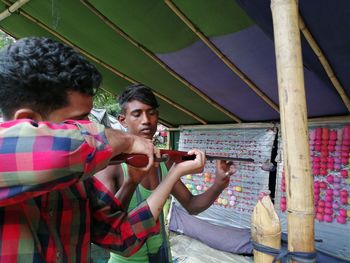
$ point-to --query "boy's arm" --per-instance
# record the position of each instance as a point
(122, 187)
(157, 199)
(198, 203)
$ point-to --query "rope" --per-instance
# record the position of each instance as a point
(283, 253)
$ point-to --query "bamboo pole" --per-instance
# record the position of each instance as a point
(13, 8)
(152, 56)
(265, 228)
(103, 64)
(324, 62)
(299, 181)
(221, 56)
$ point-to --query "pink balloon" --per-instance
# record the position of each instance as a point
(329, 205)
(330, 179)
(341, 220)
(323, 171)
(331, 143)
(344, 174)
(321, 203)
(344, 200)
(283, 200)
(316, 159)
(344, 193)
(342, 212)
(330, 159)
(324, 153)
(329, 192)
(316, 198)
(316, 166)
(328, 211)
(315, 171)
(283, 207)
(318, 132)
(283, 188)
(328, 218)
(347, 130)
(333, 135)
(344, 155)
(330, 166)
(329, 198)
(323, 185)
(316, 191)
(319, 217)
(325, 133)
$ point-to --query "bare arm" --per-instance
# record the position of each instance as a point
(123, 188)
(157, 199)
(199, 203)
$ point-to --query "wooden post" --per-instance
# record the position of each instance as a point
(299, 181)
(265, 228)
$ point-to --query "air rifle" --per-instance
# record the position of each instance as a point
(141, 160)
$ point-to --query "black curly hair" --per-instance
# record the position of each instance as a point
(137, 92)
(37, 72)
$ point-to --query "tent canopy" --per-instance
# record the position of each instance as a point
(208, 62)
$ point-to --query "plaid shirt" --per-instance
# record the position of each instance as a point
(47, 212)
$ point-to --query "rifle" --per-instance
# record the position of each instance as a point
(141, 160)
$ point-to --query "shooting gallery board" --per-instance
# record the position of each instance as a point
(235, 204)
(329, 151)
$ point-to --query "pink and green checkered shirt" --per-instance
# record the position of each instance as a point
(51, 207)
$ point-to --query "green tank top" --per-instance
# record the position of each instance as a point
(154, 242)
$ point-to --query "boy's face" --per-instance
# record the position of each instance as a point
(140, 119)
(78, 108)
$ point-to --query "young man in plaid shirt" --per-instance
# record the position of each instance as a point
(51, 207)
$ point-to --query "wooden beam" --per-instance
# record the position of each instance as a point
(330, 120)
(151, 55)
(221, 56)
(103, 64)
(294, 126)
(324, 62)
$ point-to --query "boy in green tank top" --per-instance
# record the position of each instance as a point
(139, 115)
